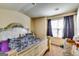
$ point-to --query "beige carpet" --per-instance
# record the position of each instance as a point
(55, 51)
(57, 41)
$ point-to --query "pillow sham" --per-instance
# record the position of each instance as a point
(5, 46)
(0, 46)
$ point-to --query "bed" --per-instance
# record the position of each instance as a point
(18, 41)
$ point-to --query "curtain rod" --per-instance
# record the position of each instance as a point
(61, 15)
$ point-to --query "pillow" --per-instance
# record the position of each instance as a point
(0, 46)
(5, 46)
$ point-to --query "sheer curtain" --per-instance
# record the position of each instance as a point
(57, 27)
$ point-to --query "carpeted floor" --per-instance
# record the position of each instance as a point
(55, 51)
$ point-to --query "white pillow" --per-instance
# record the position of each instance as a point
(12, 33)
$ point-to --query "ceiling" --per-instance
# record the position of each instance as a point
(41, 9)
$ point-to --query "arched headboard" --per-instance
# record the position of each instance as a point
(12, 25)
(13, 30)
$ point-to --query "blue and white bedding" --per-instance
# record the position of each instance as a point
(20, 43)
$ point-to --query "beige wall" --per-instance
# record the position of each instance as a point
(9, 16)
(39, 27)
(75, 25)
(77, 22)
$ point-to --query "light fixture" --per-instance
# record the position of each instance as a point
(34, 4)
(27, 7)
(56, 9)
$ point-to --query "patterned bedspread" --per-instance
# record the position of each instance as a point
(20, 43)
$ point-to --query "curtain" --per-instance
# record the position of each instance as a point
(49, 28)
(68, 27)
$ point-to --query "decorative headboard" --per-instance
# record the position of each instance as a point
(12, 25)
(13, 30)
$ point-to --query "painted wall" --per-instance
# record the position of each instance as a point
(9, 16)
(75, 25)
(39, 27)
(77, 22)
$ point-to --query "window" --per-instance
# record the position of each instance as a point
(57, 27)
